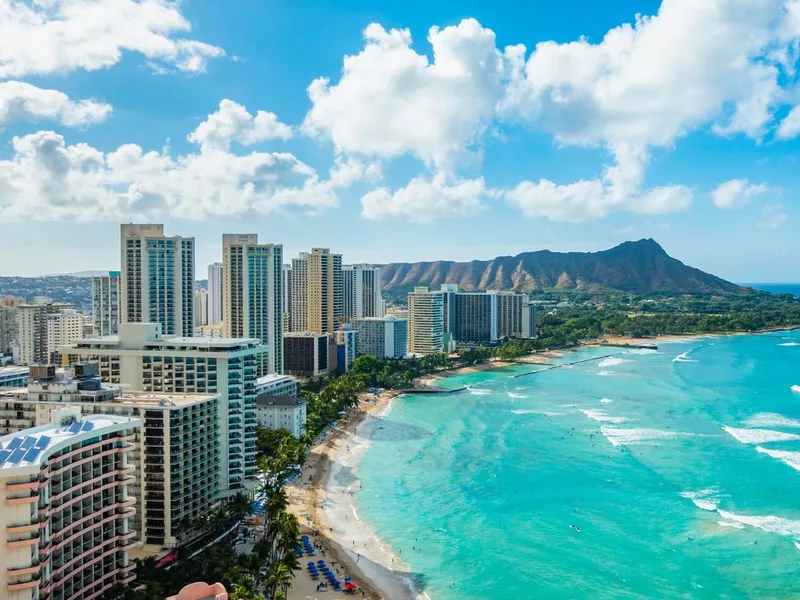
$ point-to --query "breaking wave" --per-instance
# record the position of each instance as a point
(760, 436)
(771, 420)
(601, 416)
(621, 436)
(790, 458)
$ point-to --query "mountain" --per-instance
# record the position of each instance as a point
(641, 266)
(79, 274)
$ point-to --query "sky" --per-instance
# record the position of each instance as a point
(402, 131)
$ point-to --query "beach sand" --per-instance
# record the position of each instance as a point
(324, 500)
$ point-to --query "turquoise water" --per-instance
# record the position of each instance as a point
(483, 491)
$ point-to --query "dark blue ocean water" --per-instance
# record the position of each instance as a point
(777, 288)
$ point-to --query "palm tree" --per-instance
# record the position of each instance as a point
(278, 576)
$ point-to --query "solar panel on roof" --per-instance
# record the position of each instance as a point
(16, 456)
(4, 454)
(43, 442)
(14, 444)
(87, 426)
(75, 427)
(32, 454)
(28, 442)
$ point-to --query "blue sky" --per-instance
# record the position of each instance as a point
(460, 144)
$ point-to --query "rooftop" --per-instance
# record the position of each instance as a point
(267, 400)
(14, 370)
(274, 378)
(30, 447)
(160, 399)
(303, 334)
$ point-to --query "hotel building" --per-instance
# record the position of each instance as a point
(64, 525)
(317, 291)
(215, 293)
(157, 278)
(282, 412)
(362, 292)
(382, 337)
(105, 303)
(32, 329)
(306, 353)
(474, 318)
(14, 377)
(425, 321)
(144, 359)
(276, 385)
(252, 295)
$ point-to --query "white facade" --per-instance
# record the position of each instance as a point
(62, 329)
(425, 322)
(214, 293)
(64, 489)
(252, 294)
(276, 385)
(362, 292)
(382, 337)
(157, 278)
(282, 412)
(105, 303)
(144, 359)
(287, 298)
(200, 308)
(32, 329)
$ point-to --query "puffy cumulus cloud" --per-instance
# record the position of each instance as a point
(790, 126)
(426, 199)
(590, 199)
(48, 179)
(20, 100)
(390, 100)
(232, 122)
(736, 193)
(38, 37)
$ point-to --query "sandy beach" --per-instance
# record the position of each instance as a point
(324, 501)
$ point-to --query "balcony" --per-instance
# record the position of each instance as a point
(29, 541)
(23, 585)
(30, 499)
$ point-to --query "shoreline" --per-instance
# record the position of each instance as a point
(324, 497)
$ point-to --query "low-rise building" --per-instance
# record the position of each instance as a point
(305, 353)
(345, 343)
(64, 525)
(13, 376)
(282, 412)
(201, 591)
(382, 337)
(276, 385)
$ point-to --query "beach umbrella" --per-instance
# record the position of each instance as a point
(350, 586)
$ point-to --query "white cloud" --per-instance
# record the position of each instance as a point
(790, 126)
(736, 193)
(47, 179)
(38, 37)
(390, 100)
(586, 200)
(424, 200)
(232, 122)
(20, 100)
(773, 217)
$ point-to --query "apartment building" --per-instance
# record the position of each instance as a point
(474, 318)
(200, 309)
(425, 321)
(252, 295)
(144, 359)
(306, 353)
(13, 376)
(63, 328)
(215, 293)
(282, 412)
(276, 384)
(157, 278)
(361, 292)
(382, 337)
(9, 327)
(64, 526)
(105, 303)
(287, 298)
(32, 329)
(317, 291)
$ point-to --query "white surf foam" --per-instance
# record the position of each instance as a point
(611, 361)
(760, 436)
(606, 400)
(769, 523)
(479, 392)
(601, 416)
(513, 395)
(796, 389)
(642, 351)
(604, 373)
(790, 458)
(771, 420)
(797, 545)
(704, 499)
(790, 344)
(525, 412)
(684, 357)
(620, 436)
(733, 524)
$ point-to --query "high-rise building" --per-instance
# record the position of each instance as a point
(200, 308)
(252, 294)
(474, 318)
(176, 450)
(9, 327)
(287, 298)
(105, 303)
(361, 292)
(425, 321)
(306, 353)
(32, 329)
(344, 348)
(317, 291)
(528, 320)
(62, 329)
(157, 278)
(64, 489)
(214, 293)
(142, 358)
(382, 337)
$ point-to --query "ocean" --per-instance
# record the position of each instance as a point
(777, 288)
(669, 474)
